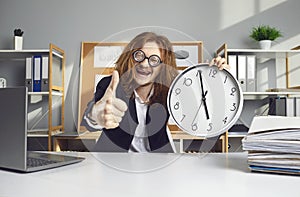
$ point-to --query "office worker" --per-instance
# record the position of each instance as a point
(130, 106)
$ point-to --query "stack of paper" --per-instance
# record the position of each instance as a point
(273, 144)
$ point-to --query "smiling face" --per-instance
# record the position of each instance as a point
(140, 76)
(143, 73)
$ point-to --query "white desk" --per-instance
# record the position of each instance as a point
(215, 174)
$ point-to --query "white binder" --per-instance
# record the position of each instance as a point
(28, 79)
(251, 70)
(45, 74)
(233, 65)
(242, 72)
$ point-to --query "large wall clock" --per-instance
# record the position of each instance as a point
(205, 101)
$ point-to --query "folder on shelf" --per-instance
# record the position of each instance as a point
(251, 70)
(297, 106)
(28, 74)
(272, 106)
(242, 71)
(280, 104)
(277, 106)
(290, 106)
(233, 66)
(45, 76)
(37, 73)
(284, 106)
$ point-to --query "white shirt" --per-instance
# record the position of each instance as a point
(140, 142)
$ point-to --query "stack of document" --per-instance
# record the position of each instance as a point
(273, 144)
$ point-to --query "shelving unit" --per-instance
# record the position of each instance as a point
(46, 108)
(275, 69)
(281, 57)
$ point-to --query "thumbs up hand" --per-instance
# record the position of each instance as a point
(109, 111)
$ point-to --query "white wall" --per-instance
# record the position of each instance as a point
(67, 23)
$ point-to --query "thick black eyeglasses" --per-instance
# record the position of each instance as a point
(153, 60)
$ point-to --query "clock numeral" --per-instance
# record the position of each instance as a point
(225, 80)
(177, 91)
(212, 73)
(225, 120)
(194, 127)
(233, 90)
(187, 81)
(176, 106)
(234, 107)
(183, 116)
(209, 127)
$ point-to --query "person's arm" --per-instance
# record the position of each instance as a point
(87, 121)
(107, 111)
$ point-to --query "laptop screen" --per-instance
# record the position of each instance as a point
(13, 127)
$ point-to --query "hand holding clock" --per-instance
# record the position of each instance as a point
(219, 62)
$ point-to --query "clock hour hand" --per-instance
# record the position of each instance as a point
(203, 94)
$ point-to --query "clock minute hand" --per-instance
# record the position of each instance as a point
(203, 94)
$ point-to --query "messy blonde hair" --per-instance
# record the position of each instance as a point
(168, 72)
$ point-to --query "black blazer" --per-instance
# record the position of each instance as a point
(119, 139)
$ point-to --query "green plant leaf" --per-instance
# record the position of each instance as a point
(265, 32)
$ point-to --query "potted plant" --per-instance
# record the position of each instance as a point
(265, 34)
(18, 39)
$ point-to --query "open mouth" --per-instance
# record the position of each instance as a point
(143, 72)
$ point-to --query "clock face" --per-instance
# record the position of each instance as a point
(205, 101)
(2, 83)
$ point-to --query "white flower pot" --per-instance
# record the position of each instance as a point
(18, 42)
(265, 44)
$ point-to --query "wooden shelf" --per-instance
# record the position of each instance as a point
(61, 140)
(14, 69)
(25, 53)
(262, 95)
(178, 134)
(237, 134)
(273, 54)
(46, 93)
(42, 133)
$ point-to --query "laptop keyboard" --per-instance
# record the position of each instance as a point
(35, 162)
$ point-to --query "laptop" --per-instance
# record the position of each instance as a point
(13, 136)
